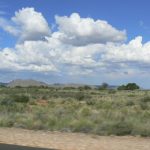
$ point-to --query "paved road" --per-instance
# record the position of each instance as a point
(15, 147)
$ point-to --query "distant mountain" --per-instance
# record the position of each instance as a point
(74, 85)
(25, 83)
(30, 82)
(67, 85)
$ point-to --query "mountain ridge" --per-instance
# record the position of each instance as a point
(25, 83)
(31, 82)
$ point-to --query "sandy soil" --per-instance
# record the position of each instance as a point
(71, 141)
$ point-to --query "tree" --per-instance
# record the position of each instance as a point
(129, 86)
(104, 86)
(122, 87)
(132, 86)
(87, 87)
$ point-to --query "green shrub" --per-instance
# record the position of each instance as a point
(145, 99)
(68, 88)
(121, 128)
(143, 105)
(84, 126)
(7, 102)
(141, 129)
(52, 122)
(45, 97)
(129, 86)
(86, 87)
(130, 103)
(85, 112)
(80, 96)
(122, 87)
(132, 86)
(21, 98)
(90, 102)
(6, 123)
(131, 95)
(104, 86)
(112, 91)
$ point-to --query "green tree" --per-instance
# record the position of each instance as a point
(104, 86)
(122, 87)
(132, 86)
(129, 86)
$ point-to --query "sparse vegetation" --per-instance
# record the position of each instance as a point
(102, 112)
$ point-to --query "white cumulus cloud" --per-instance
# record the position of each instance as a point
(27, 24)
(82, 31)
(79, 46)
(28, 56)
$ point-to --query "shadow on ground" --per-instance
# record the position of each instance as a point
(16, 147)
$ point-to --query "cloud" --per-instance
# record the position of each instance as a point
(131, 58)
(133, 52)
(82, 31)
(27, 24)
(80, 46)
(52, 55)
(34, 56)
(6, 26)
(110, 58)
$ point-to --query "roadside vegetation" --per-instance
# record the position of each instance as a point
(98, 111)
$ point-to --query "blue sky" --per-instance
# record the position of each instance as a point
(82, 41)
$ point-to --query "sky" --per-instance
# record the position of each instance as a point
(82, 41)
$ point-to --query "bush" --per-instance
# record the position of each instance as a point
(6, 123)
(80, 96)
(111, 91)
(129, 86)
(90, 102)
(143, 106)
(145, 99)
(84, 126)
(145, 132)
(119, 128)
(85, 112)
(122, 87)
(44, 97)
(122, 128)
(68, 88)
(86, 87)
(132, 86)
(21, 98)
(7, 102)
(130, 103)
(104, 86)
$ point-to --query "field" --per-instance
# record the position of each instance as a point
(93, 111)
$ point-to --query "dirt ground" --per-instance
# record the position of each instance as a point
(71, 141)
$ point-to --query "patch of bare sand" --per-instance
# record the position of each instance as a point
(71, 141)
